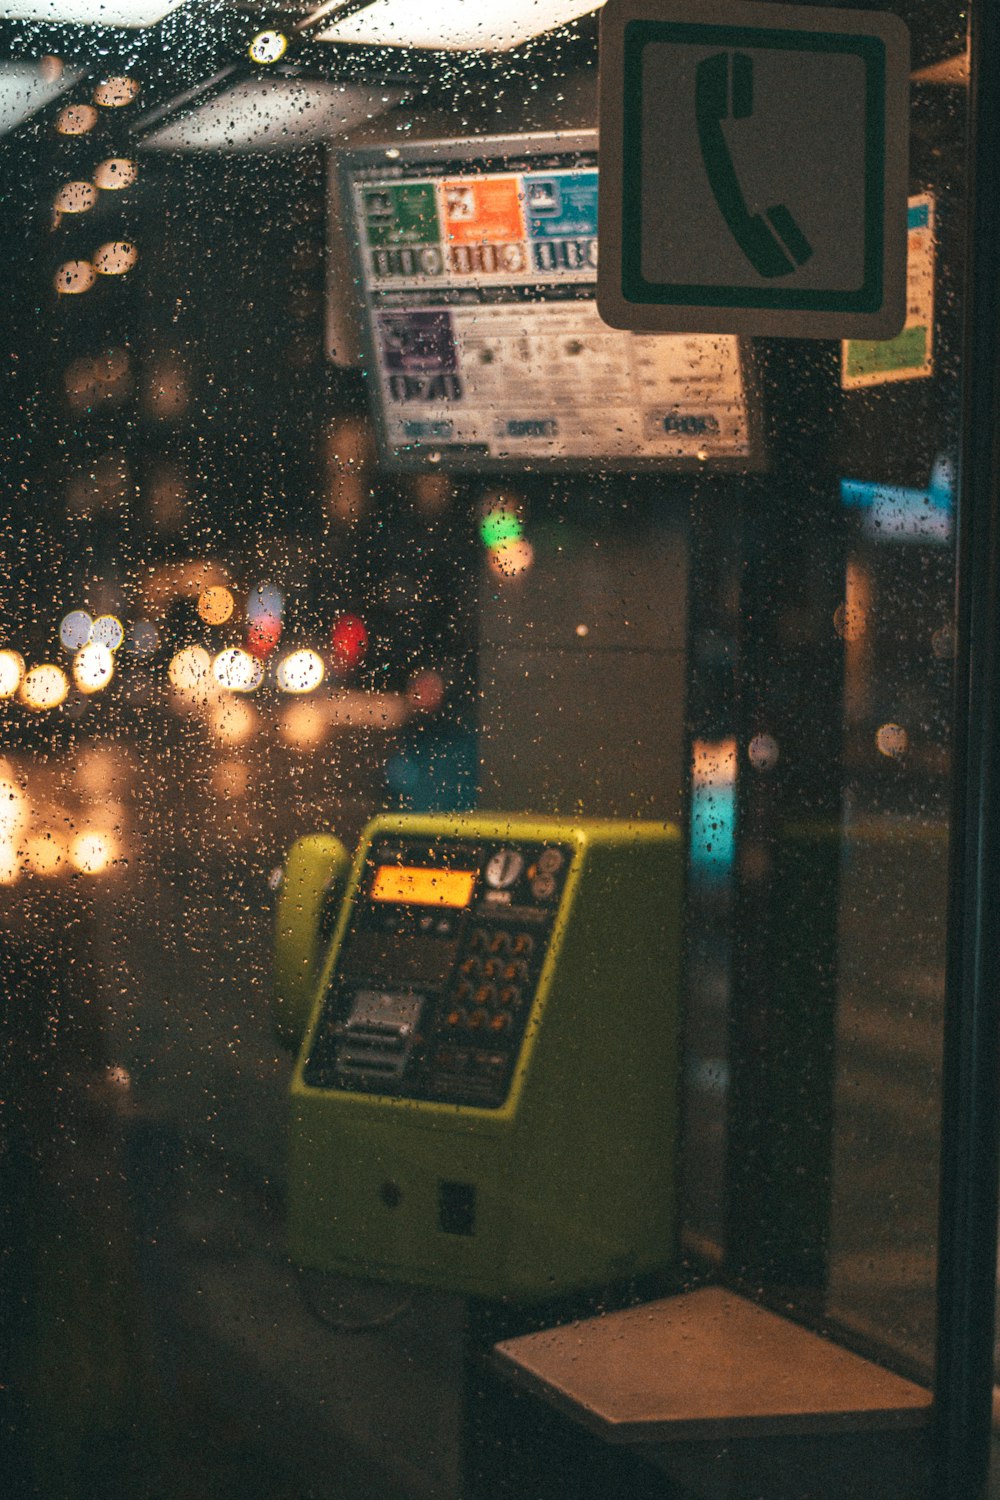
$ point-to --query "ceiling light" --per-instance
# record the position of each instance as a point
(85, 12)
(74, 277)
(76, 119)
(116, 92)
(455, 25)
(268, 47)
(116, 173)
(115, 258)
(25, 87)
(75, 197)
(273, 114)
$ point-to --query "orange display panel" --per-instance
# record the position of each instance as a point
(423, 887)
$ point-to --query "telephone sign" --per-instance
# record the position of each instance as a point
(753, 169)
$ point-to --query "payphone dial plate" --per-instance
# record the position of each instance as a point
(435, 978)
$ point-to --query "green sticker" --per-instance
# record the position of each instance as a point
(401, 214)
(908, 351)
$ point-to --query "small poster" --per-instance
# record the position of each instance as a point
(486, 346)
(910, 355)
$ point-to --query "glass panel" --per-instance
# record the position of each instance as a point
(329, 497)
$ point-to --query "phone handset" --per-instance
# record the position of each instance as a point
(310, 892)
(773, 248)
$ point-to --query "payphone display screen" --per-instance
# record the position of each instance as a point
(430, 997)
(423, 887)
(477, 265)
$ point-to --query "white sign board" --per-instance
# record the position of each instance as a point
(753, 169)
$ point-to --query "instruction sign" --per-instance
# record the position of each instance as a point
(753, 169)
(477, 264)
(910, 355)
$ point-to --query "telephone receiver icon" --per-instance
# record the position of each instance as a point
(773, 243)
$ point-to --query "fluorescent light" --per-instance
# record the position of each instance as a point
(24, 89)
(273, 113)
(89, 12)
(455, 25)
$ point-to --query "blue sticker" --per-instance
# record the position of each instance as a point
(558, 205)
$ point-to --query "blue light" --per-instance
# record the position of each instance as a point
(903, 513)
(266, 601)
(713, 830)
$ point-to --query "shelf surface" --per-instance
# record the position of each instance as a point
(707, 1364)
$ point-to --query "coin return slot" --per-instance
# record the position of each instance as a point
(457, 1208)
(378, 1034)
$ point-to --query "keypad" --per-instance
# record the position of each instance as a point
(492, 980)
(486, 1003)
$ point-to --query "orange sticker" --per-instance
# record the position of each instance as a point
(482, 210)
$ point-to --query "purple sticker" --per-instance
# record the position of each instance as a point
(417, 342)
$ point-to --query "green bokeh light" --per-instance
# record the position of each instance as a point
(499, 526)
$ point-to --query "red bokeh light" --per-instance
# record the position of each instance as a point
(348, 641)
(263, 634)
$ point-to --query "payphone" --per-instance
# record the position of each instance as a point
(484, 1099)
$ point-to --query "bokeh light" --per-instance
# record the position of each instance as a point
(265, 608)
(116, 173)
(116, 92)
(265, 600)
(76, 629)
(74, 277)
(108, 631)
(11, 672)
(425, 691)
(91, 852)
(233, 721)
(115, 258)
(762, 752)
(500, 524)
(44, 687)
(215, 605)
(93, 667)
(76, 119)
(45, 854)
(13, 808)
(348, 641)
(75, 198)
(237, 671)
(267, 47)
(106, 379)
(300, 672)
(511, 559)
(303, 725)
(892, 741)
(190, 671)
(263, 634)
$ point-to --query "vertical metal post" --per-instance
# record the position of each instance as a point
(969, 1166)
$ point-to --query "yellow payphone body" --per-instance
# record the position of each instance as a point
(485, 1094)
